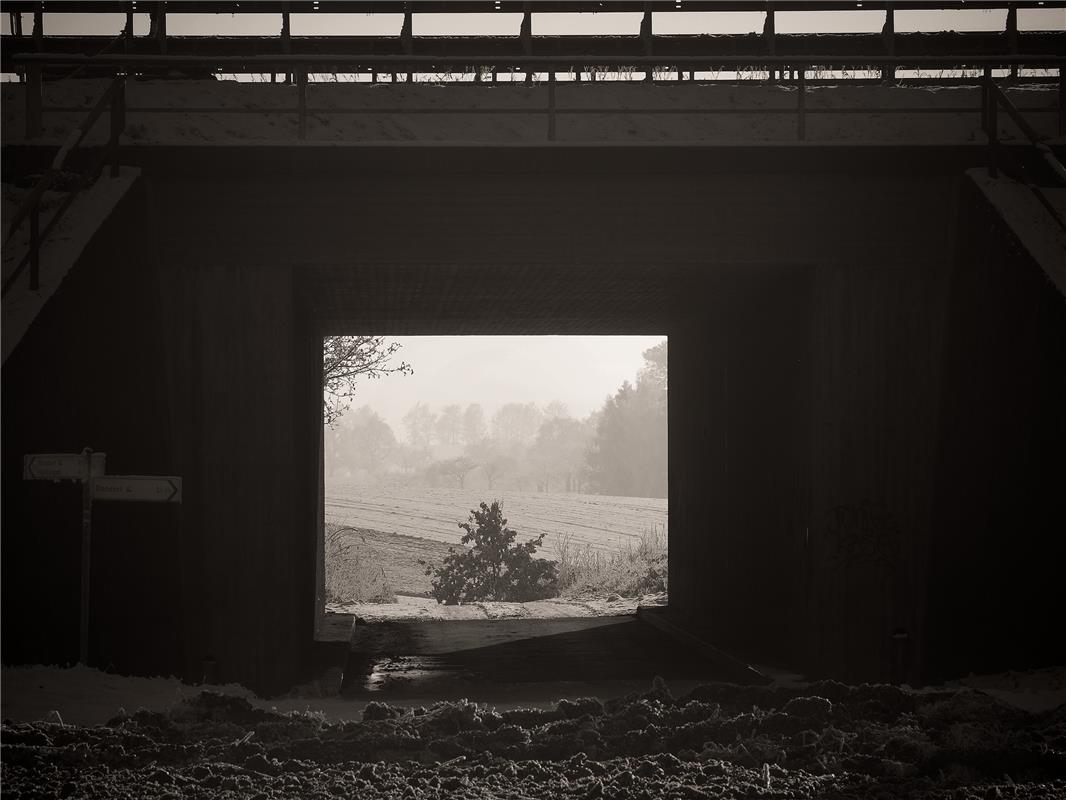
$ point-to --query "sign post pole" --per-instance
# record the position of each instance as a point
(86, 553)
(90, 469)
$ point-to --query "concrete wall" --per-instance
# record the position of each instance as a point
(996, 592)
(805, 291)
(90, 372)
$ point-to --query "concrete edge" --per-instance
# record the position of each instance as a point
(745, 673)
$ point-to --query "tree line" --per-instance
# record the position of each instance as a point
(618, 450)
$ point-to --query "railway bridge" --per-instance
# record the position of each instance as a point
(854, 242)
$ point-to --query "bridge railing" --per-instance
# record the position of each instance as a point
(799, 74)
(122, 66)
(645, 40)
(993, 97)
(112, 100)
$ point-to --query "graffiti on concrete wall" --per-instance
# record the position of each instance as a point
(862, 534)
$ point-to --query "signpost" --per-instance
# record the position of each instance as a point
(62, 466)
(144, 488)
(89, 468)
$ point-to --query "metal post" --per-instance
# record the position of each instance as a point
(551, 105)
(301, 89)
(769, 33)
(647, 38)
(407, 31)
(888, 35)
(38, 30)
(992, 128)
(35, 247)
(159, 26)
(118, 120)
(1012, 36)
(86, 553)
(1062, 100)
(984, 102)
(34, 101)
(525, 31)
(286, 33)
(801, 103)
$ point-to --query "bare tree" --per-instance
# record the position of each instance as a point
(516, 424)
(556, 409)
(421, 424)
(346, 359)
(473, 425)
(456, 469)
(450, 424)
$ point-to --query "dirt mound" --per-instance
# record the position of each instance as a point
(719, 740)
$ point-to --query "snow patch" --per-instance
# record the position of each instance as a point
(427, 609)
(1030, 221)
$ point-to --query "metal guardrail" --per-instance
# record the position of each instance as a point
(113, 100)
(504, 6)
(992, 98)
(885, 42)
(302, 66)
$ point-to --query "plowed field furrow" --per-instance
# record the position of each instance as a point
(604, 523)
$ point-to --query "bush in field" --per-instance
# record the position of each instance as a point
(493, 567)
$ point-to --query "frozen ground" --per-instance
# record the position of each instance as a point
(603, 522)
(86, 696)
(713, 740)
(426, 608)
(202, 112)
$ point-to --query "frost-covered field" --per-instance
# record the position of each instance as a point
(602, 522)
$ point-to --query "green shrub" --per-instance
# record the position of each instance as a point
(493, 567)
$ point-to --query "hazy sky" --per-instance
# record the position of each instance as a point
(324, 24)
(581, 371)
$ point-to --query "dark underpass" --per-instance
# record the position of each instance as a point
(498, 659)
(827, 345)
(867, 383)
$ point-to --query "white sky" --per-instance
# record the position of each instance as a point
(581, 371)
(326, 24)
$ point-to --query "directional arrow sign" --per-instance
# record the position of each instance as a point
(138, 488)
(61, 466)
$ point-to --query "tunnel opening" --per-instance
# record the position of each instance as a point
(493, 504)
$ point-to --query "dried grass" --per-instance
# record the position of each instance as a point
(631, 571)
(353, 575)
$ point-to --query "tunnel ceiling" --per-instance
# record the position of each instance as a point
(498, 299)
